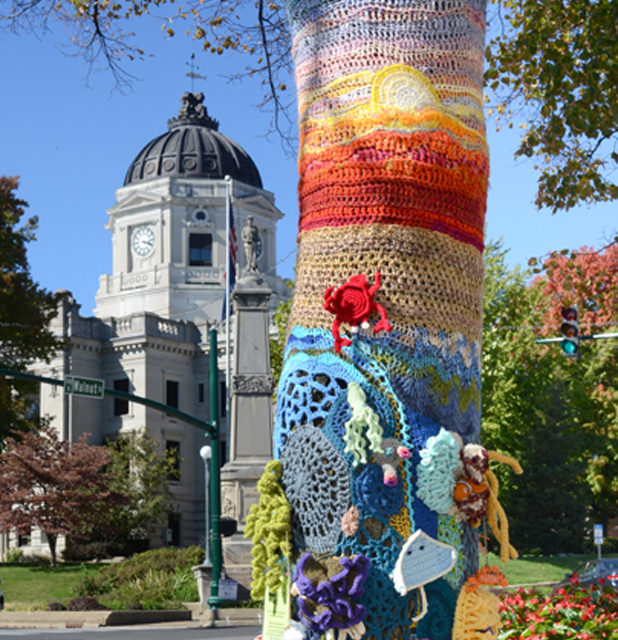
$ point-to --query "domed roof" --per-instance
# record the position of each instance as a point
(193, 148)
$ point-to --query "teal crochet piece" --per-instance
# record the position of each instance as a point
(362, 416)
(436, 471)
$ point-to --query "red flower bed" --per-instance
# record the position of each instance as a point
(575, 612)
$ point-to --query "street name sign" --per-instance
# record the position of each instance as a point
(87, 387)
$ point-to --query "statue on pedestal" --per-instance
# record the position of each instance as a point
(250, 240)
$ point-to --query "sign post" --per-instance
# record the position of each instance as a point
(87, 387)
(598, 538)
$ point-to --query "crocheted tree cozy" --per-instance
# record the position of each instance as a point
(269, 527)
(393, 166)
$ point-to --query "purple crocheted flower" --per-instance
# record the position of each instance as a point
(329, 601)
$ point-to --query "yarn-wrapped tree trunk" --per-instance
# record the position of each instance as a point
(393, 170)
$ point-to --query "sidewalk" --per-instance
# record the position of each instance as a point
(191, 617)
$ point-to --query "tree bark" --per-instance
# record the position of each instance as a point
(393, 168)
(52, 539)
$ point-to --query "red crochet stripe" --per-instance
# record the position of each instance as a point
(430, 220)
(420, 179)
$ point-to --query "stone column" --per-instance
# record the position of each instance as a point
(251, 419)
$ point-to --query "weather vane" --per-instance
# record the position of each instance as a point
(192, 73)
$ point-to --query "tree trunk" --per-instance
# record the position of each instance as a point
(52, 538)
(393, 170)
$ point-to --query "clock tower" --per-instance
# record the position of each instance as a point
(168, 224)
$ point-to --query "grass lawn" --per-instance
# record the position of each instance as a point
(530, 569)
(40, 583)
(26, 585)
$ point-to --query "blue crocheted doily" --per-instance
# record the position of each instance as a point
(316, 484)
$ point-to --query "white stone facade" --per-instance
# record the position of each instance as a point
(166, 280)
(149, 335)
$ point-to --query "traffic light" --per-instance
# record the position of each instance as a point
(570, 332)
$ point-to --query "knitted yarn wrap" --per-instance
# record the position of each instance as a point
(393, 168)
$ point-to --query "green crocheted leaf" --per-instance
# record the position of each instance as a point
(269, 526)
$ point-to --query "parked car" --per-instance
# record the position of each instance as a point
(593, 571)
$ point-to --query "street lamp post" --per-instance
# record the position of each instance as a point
(206, 454)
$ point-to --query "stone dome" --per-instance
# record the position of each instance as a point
(193, 148)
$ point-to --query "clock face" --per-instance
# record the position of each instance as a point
(143, 241)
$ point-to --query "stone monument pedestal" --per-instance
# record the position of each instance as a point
(251, 422)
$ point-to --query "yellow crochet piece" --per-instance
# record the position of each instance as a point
(476, 615)
(269, 525)
(496, 516)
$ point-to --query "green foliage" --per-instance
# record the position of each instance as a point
(277, 343)
(535, 407)
(588, 279)
(156, 579)
(141, 471)
(14, 555)
(557, 61)
(84, 603)
(269, 525)
(158, 590)
(582, 613)
(25, 312)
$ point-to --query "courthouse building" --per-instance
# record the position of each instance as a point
(149, 333)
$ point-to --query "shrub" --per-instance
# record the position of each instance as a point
(85, 604)
(56, 606)
(101, 549)
(17, 556)
(14, 556)
(575, 612)
(82, 552)
(156, 579)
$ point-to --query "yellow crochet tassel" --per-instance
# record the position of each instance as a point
(496, 516)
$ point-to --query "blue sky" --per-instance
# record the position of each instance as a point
(71, 140)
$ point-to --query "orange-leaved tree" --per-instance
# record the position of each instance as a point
(55, 485)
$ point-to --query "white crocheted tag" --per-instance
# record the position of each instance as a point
(422, 560)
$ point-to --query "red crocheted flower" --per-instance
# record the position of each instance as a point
(353, 303)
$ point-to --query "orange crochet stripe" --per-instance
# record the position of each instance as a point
(317, 134)
(424, 179)
(330, 185)
(421, 146)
